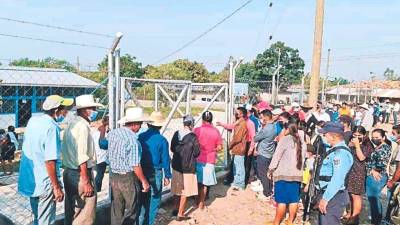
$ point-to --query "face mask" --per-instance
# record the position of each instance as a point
(325, 141)
(60, 118)
(393, 138)
(376, 142)
(360, 139)
(93, 115)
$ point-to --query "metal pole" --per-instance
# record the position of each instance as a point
(231, 94)
(168, 98)
(323, 97)
(156, 97)
(273, 89)
(117, 85)
(228, 116)
(122, 97)
(337, 90)
(110, 88)
(188, 99)
(316, 61)
(278, 76)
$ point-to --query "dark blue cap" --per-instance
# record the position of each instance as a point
(332, 127)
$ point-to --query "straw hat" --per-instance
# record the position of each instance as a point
(306, 106)
(86, 101)
(135, 114)
(364, 106)
(157, 119)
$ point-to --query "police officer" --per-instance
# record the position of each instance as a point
(332, 174)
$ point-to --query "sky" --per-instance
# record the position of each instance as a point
(363, 35)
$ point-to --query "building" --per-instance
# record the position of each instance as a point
(23, 90)
(365, 91)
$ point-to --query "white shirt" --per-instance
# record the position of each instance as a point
(322, 116)
(368, 120)
(396, 107)
(100, 153)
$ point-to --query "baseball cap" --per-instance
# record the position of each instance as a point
(332, 127)
(188, 120)
(54, 101)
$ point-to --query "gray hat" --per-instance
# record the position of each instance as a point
(188, 120)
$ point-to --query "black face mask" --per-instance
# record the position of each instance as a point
(360, 139)
(376, 142)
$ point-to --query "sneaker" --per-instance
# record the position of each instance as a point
(255, 183)
(258, 188)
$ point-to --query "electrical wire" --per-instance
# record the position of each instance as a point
(265, 20)
(187, 44)
(55, 27)
(52, 41)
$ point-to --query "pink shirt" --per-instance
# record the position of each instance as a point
(209, 138)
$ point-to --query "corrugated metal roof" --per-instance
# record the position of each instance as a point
(28, 76)
(379, 92)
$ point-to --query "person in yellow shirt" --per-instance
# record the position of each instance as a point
(345, 110)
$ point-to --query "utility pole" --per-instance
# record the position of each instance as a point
(78, 65)
(323, 94)
(316, 60)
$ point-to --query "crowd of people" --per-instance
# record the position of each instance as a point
(326, 156)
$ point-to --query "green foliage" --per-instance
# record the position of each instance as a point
(334, 81)
(197, 71)
(166, 71)
(389, 74)
(48, 62)
(129, 66)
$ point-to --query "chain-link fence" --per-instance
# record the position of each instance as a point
(23, 91)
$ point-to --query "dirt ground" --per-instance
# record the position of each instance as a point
(225, 208)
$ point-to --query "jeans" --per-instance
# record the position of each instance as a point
(44, 208)
(100, 170)
(249, 165)
(373, 190)
(262, 168)
(150, 202)
(395, 114)
(125, 197)
(239, 172)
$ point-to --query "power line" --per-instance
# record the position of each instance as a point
(265, 20)
(52, 41)
(203, 34)
(55, 27)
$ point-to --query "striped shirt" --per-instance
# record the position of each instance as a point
(124, 150)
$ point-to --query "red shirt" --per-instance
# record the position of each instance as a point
(209, 138)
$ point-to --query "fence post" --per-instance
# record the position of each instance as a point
(117, 85)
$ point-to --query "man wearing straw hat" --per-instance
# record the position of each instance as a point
(155, 163)
(79, 158)
(124, 155)
(39, 170)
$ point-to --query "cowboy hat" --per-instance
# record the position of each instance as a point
(54, 101)
(135, 114)
(86, 101)
(157, 119)
(306, 106)
(364, 106)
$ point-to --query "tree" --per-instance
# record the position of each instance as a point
(266, 63)
(389, 74)
(197, 71)
(129, 66)
(48, 62)
(166, 71)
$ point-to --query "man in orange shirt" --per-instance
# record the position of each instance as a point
(345, 110)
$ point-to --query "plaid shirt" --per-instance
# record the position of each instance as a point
(124, 150)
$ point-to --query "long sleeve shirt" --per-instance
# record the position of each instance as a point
(337, 165)
(155, 151)
(251, 131)
(266, 140)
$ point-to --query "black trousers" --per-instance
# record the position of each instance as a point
(125, 197)
(262, 169)
(249, 162)
(100, 170)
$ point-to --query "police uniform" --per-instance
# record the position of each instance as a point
(335, 166)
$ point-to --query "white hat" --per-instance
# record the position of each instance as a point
(365, 106)
(134, 115)
(277, 111)
(295, 105)
(86, 101)
(157, 119)
(54, 101)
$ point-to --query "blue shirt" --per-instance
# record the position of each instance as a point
(278, 128)
(256, 122)
(124, 150)
(155, 151)
(41, 143)
(337, 165)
